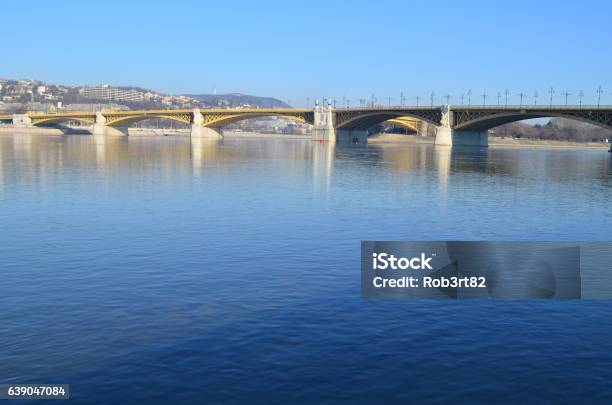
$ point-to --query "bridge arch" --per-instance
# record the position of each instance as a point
(223, 119)
(406, 123)
(366, 120)
(60, 120)
(126, 120)
(481, 122)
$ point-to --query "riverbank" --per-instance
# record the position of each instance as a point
(496, 142)
(538, 143)
(392, 138)
(7, 129)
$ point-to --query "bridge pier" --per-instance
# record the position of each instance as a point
(323, 128)
(101, 129)
(471, 138)
(22, 121)
(198, 130)
(448, 136)
(351, 136)
(105, 130)
(324, 134)
(455, 137)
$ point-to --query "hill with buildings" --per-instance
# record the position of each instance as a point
(33, 95)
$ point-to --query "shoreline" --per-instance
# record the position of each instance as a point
(495, 142)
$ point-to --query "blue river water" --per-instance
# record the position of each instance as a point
(156, 270)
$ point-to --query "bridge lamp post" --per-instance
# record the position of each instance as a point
(580, 95)
(448, 97)
(389, 101)
(417, 100)
(469, 97)
(506, 94)
(348, 103)
(535, 98)
(551, 92)
(521, 95)
(431, 98)
(566, 94)
(462, 98)
(498, 97)
(402, 99)
(484, 98)
(599, 91)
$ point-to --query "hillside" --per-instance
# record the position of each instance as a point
(237, 99)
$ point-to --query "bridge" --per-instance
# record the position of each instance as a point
(454, 125)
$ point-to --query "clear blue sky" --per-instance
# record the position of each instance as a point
(298, 49)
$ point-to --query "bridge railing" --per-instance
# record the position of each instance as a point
(532, 106)
(483, 106)
(512, 107)
(392, 107)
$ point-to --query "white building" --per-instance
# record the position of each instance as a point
(105, 92)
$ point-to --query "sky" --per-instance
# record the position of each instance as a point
(301, 50)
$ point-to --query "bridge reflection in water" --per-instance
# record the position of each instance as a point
(40, 160)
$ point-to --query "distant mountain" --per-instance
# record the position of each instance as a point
(237, 99)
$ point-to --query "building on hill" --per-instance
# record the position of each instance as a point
(106, 92)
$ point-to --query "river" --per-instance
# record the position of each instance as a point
(144, 269)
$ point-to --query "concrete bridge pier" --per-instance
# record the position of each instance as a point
(351, 136)
(105, 130)
(198, 130)
(202, 132)
(323, 128)
(101, 129)
(471, 138)
(456, 137)
(22, 121)
(448, 136)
